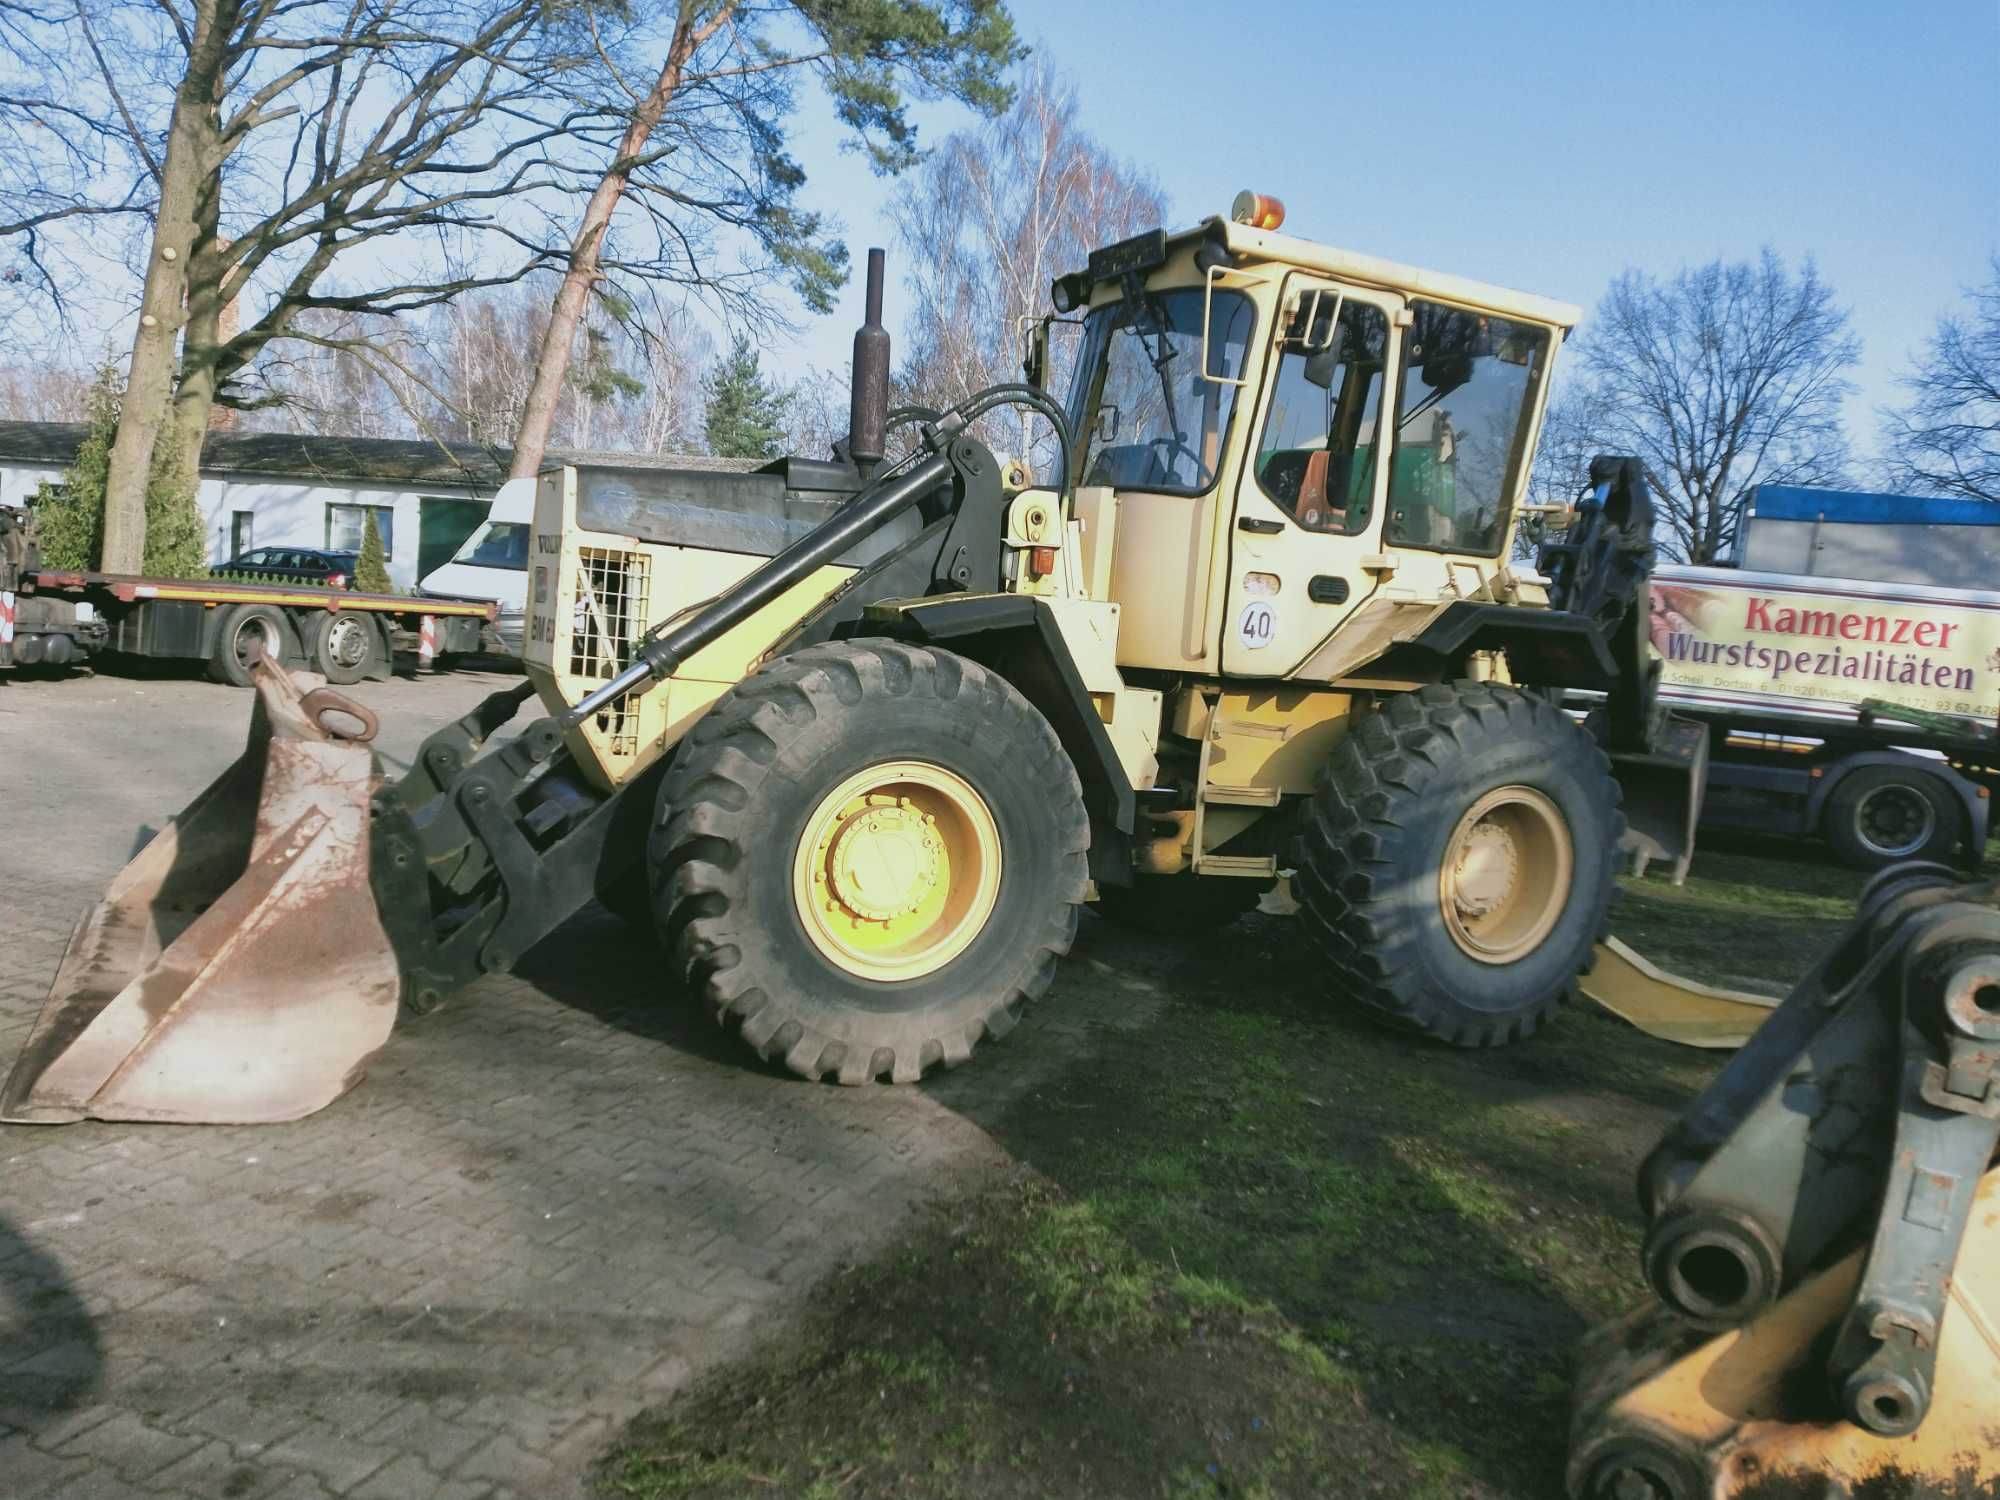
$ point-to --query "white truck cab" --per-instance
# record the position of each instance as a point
(493, 563)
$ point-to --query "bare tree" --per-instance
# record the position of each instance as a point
(1720, 378)
(73, 161)
(43, 393)
(668, 354)
(818, 408)
(346, 374)
(1946, 441)
(989, 221)
(294, 131)
(702, 147)
(462, 373)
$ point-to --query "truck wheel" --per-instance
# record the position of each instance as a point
(1456, 862)
(230, 661)
(868, 857)
(344, 646)
(1169, 904)
(1880, 815)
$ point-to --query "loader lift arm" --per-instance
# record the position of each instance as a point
(478, 856)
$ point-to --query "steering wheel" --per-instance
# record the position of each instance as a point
(1174, 446)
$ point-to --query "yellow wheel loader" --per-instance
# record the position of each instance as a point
(858, 737)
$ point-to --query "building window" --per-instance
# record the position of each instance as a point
(347, 526)
(240, 528)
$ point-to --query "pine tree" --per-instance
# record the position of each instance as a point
(70, 513)
(371, 569)
(176, 538)
(745, 416)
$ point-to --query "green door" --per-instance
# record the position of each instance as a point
(442, 526)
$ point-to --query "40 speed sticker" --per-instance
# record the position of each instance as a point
(1257, 624)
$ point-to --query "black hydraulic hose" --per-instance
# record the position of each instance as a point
(1012, 393)
(1019, 393)
(902, 416)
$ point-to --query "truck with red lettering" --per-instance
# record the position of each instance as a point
(1861, 711)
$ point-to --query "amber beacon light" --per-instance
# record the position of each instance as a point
(1258, 210)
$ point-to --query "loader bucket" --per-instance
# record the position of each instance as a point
(236, 971)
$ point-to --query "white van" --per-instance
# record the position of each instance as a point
(493, 563)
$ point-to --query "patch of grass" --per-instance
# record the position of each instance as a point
(1744, 918)
(1253, 1247)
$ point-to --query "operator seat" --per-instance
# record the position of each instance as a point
(1313, 511)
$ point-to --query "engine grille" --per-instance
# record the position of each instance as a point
(609, 617)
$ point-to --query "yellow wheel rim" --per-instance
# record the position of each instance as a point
(897, 870)
(1506, 874)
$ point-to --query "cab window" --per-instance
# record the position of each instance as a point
(1316, 457)
(1154, 422)
(1467, 387)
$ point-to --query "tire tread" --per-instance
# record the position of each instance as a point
(1349, 869)
(708, 828)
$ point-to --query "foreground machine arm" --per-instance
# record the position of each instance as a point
(1825, 1236)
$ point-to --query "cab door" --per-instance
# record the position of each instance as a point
(1309, 501)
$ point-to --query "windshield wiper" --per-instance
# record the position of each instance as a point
(1142, 301)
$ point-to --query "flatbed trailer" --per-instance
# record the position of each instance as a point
(343, 635)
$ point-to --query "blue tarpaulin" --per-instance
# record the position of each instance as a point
(1792, 502)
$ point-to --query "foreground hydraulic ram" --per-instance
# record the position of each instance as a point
(1825, 1237)
(235, 972)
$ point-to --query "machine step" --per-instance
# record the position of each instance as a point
(1241, 796)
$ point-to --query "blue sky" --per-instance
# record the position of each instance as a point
(1544, 146)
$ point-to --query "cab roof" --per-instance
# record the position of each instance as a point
(1271, 246)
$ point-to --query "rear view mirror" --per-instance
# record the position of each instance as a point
(1320, 368)
(1446, 372)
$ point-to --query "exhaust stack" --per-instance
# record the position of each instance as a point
(868, 408)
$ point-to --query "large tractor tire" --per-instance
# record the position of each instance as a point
(1882, 815)
(1456, 863)
(1165, 905)
(868, 858)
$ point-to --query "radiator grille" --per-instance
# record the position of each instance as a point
(609, 618)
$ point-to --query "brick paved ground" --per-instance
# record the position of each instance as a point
(547, 1205)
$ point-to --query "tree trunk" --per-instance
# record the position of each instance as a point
(209, 328)
(149, 380)
(538, 412)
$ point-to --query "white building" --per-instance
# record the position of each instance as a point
(276, 489)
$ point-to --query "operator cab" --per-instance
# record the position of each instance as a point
(1295, 432)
